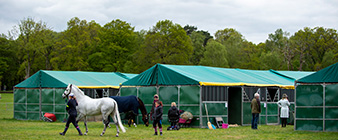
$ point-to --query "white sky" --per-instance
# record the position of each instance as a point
(254, 19)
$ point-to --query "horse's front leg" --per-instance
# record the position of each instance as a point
(85, 123)
(79, 117)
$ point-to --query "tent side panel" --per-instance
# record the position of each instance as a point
(313, 125)
(309, 95)
(147, 95)
(20, 104)
(247, 116)
(331, 125)
(272, 113)
(167, 95)
(309, 107)
(33, 107)
(331, 95)
(189, 100)
(331, 107)
(126, 91)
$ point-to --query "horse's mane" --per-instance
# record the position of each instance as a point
(78, 90)
(141, 106)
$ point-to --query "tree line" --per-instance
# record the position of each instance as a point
(116, 47)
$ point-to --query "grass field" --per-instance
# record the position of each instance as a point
(17, 129)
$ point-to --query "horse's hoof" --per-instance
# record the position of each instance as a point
(101, 135)
(85, 134)
(117, 135)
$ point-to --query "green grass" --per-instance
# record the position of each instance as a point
(18, 129)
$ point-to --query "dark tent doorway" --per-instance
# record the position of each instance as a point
(234, 105)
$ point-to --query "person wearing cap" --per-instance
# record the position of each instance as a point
(255, 110)
(156, 98)
(284, 109)
(71, 109)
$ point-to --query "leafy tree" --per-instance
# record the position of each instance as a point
(118, 41)
(8, 63)
(215, 55)
(232, 40)
(75, 45)
(197, 39)
(324, 40)
(30, 34)
(270, 60)
(165, 43)
(250, 58)
(280, 40)
(302, 42)
(189, 29)
(207, 36)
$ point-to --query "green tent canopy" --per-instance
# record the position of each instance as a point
(326, 75)
(162, 74)
(60, 79)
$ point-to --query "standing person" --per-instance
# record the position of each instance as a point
(157, 117)
(173, 115)
(255, 110)
(284, 109)
(71, 109)
(156, 98)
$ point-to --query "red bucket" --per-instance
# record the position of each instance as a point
(225, 126)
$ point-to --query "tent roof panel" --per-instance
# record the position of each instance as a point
(203, 75)
(326, 75)
(60, 79)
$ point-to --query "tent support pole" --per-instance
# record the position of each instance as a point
(201, 104)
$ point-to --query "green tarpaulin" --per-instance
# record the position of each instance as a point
(161, 74)
(326, 75)
(60, 79)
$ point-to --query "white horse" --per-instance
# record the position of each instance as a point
(91, 107)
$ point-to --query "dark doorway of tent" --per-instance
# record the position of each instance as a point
(234, 105)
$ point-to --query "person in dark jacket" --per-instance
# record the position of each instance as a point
(156, 98)
(157, 117)
(71, 109)
(173, 116)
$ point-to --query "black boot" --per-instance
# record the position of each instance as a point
(64, 131)
(161, 133)
(78, 129)
(155, 133)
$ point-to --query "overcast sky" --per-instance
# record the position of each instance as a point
(254, 19)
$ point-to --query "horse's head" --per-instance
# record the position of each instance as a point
(67, 91)
(145, 119)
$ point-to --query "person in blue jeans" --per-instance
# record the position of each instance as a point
(255, 110)
(71, 109)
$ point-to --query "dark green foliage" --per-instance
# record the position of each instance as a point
(87, 46)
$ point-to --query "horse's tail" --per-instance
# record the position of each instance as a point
(119, 118)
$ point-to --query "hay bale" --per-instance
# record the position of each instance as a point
(186, 115)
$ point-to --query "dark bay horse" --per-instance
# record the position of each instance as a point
(130, 105)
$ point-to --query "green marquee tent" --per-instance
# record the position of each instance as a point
(226, 92)
(42, 91)
(316, 101)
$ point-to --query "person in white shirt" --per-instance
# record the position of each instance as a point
(284, 109)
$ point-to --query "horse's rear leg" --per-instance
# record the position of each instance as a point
(117, 125)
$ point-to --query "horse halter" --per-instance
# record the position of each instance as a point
(67, 91)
